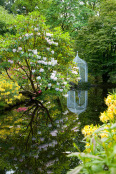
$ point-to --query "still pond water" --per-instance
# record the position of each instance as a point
(34, 137)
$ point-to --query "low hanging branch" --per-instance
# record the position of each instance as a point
(9, 75)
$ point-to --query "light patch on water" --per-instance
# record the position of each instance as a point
(10, 172)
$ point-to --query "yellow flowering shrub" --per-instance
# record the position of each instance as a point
(106, 132)
(99, 156)
(10, 125)
(110, 113)
(9, 91)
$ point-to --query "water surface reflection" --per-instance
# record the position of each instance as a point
(34, 136)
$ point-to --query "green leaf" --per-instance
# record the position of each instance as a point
(76, 147)
(84, 155)
(76, 170)
(113, 126)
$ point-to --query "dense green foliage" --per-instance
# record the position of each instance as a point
(96, 42)
(5, 21)
(2, 2)
(24, 7)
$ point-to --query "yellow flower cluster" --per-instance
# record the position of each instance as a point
(110, 113)
(89, 129)
(9, 126)
(108, 100)
(8, 130)
(9, 91)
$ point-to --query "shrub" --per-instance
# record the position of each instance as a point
(38, 58)
(99, 155)
(9, 91)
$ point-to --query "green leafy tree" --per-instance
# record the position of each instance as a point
(96, 42)
(36, 58)
(24, 7)
(70, 15)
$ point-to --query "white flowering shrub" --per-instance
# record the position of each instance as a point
(37, 58)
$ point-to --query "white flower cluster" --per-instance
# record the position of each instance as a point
(59, 84)
(53, 76)
(75, 67)
(65, 83)
(17, 50)
(41, 70)
(58, 89)
(53, 62)
(38, 34)
(34, 51)
(28, 34)
(11, 61)
(50, 42)
(52, 52)
(48, 49)
(38, 78)
(49, 34)
(49, 85)
(42, 62)
(33, 70)
(36, 29)
(79, 78)
(74, 72)
(47, 38)
(38, 57)
(44, 58)
(14, 50)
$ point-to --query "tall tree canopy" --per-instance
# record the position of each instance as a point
(96, 42)
(24, 7)
(70, 15)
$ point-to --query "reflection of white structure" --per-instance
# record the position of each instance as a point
(83, 68)
(77, 101)
(10, 172)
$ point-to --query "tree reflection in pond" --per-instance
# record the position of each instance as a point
(34, 137)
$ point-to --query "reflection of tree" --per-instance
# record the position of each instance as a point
(34, 115)
(45, 132)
